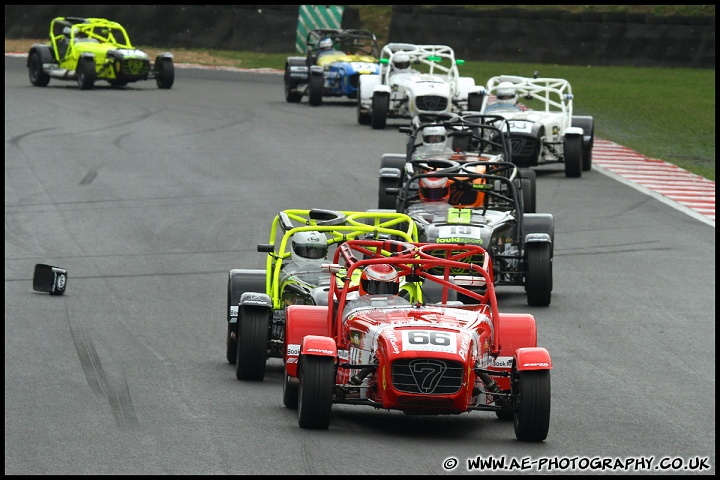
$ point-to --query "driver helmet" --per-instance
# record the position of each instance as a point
(325, 45)
(380, 279)
(434, 138)
(309, 246)
(506, 94)
(401, 62)
(434, 189)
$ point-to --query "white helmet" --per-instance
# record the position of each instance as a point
(401, 62)
(325, 44)
(308, 247)
(506, 94)
(434, 138)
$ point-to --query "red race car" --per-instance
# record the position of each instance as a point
(433, 342)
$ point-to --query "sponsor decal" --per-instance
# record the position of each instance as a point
(320, 350)
(293, 350)
(460, 240)
(233, 310)
(464, 346)
(536, 364)
(393, 341)
(503, 362)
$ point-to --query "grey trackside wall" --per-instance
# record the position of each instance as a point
(558, 37)
(512, 35)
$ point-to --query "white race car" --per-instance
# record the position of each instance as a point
(542, 126)
(415, 80)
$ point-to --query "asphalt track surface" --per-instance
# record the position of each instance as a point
(149, 197)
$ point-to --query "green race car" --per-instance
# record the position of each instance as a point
(89, 49)
(294, 275)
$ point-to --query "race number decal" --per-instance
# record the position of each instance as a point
(429, 341)
(520, 126)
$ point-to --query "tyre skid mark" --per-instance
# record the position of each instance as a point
(99, 382)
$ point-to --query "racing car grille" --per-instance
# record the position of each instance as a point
(135, 68)
(523, 150)
(427, 376)
(431, 103)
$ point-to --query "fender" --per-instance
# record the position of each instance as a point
(465, 85)
(573, 131)
(255, 299)
(389, 172)
(45, 52)
(297, 69)
(536, 358)
(537, 238)
(380, 89)
(368, 83)
(516, 330)
(319, 346)
(300, 321)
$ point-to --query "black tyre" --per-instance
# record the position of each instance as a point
(380, 106)
(475, 102)
(37, 75)
(86, 73)
(588, 126)
(528, 180)
(252, 342)
(239, 282)
(165, 75)
(540, 223)
(315, 391)
(291, 95)
(385, 200)
(315, 90)
(363, 118)
(290, 391)
(532, 419)
(572, 152)
(538, 281)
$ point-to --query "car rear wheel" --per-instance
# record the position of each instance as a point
(290, 391)
(363, 118)
(252, 341)
(165, 75)
(380, 106)
(37, 75)
(86, 73)
(386, 200)
(573, 154)
(528, 180)
(538, 281)
(317, 380)
(291, 95)
(532, 418)
(475, 102)
(239, 282)
(315, 90)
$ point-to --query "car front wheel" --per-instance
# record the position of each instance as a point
(165, 75)
(38, 77)
(317, 380)
(86, 73)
